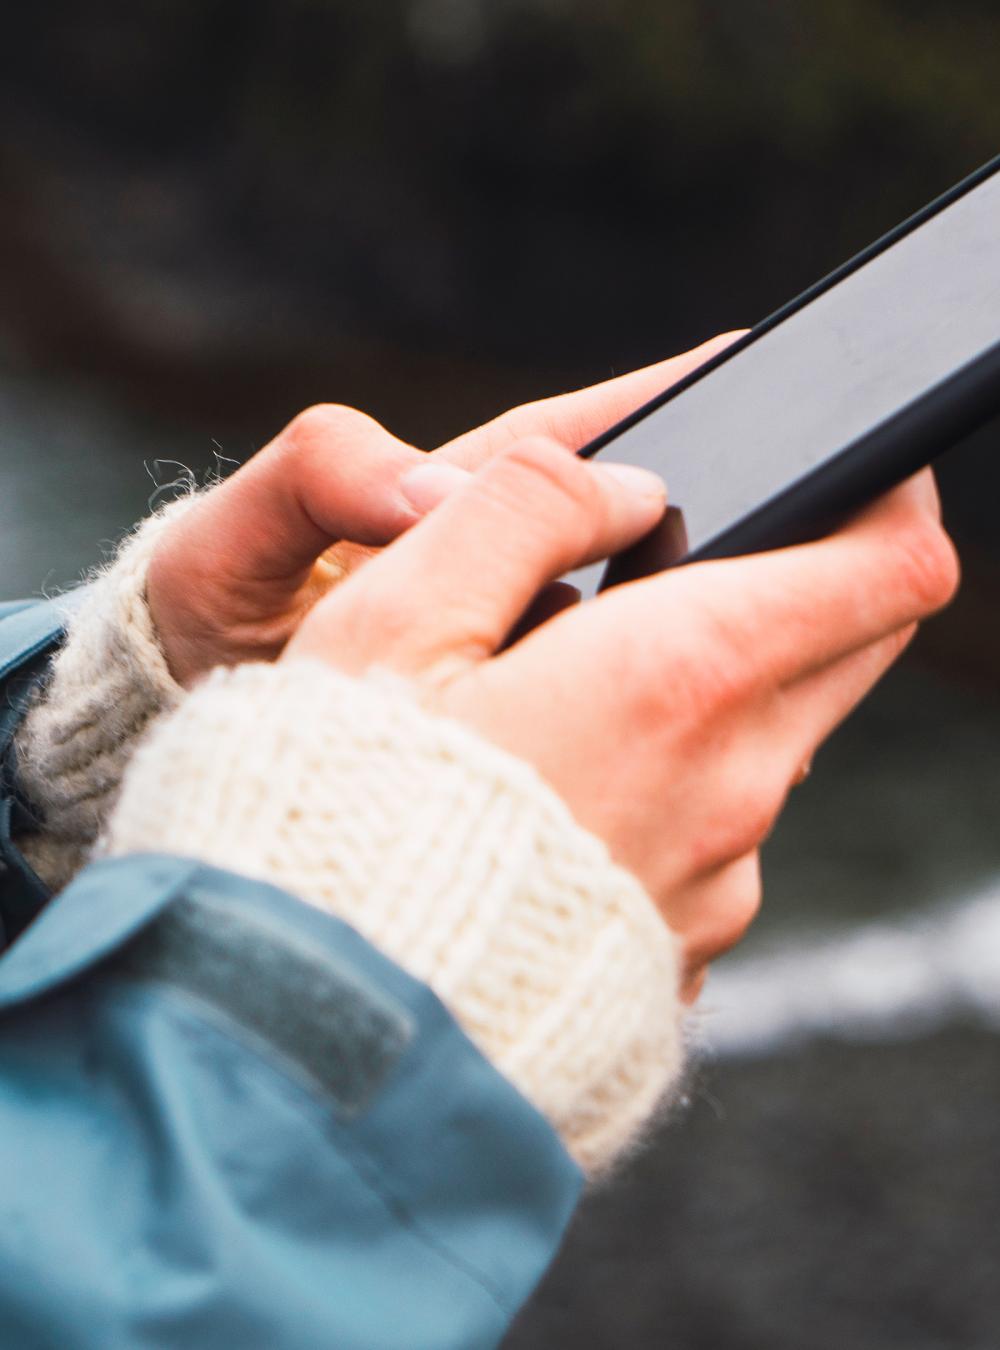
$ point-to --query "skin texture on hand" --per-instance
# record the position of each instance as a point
(234, 578)
(672, 714)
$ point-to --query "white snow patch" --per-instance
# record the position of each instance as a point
(875, 982)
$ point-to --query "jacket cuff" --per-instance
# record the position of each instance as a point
(447, 853)
(107, 682)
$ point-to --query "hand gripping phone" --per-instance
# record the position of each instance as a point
(852, 387)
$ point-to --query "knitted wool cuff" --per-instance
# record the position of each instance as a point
(447, 853)
(106, 683)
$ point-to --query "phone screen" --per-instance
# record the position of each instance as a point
(809, 387)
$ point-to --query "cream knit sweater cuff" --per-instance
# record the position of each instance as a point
(447, 853)
(106, 683)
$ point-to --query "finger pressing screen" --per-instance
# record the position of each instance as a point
(458, 582)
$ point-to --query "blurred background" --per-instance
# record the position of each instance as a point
(213, 213)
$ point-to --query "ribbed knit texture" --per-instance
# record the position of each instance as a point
(447, 853)
(105, 685)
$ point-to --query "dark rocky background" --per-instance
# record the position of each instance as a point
(214, 213)
(834, 1198)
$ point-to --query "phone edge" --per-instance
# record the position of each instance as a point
(933, 208)
(899, 446)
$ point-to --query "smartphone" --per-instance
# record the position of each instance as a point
(855, 385)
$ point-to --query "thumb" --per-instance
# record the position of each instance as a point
(331, 474)
(455, 587)
(233, 574)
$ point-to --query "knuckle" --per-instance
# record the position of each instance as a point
(323, 425)
(743, 911)
(369, 629)
(927, 565)
(729, 631)
(543, 477)
(730, 909)
(636, 664)
(717, 685)
(546, 462)
(717, 680)
(742, 904)
(758, 822)
(743, 829)
(690, 686)
(657, 684)
(746, 797)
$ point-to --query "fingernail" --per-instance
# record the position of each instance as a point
(643, 482)
(428, 484)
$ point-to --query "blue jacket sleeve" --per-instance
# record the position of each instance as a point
(228, 1120)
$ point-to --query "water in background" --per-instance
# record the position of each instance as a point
(75, 470)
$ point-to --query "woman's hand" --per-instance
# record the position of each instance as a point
(671, 714)
(233, 577)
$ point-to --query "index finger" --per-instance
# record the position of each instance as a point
(784, 614)
(455, 585)
(576, 418)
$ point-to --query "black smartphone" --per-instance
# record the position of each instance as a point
(841, 394)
